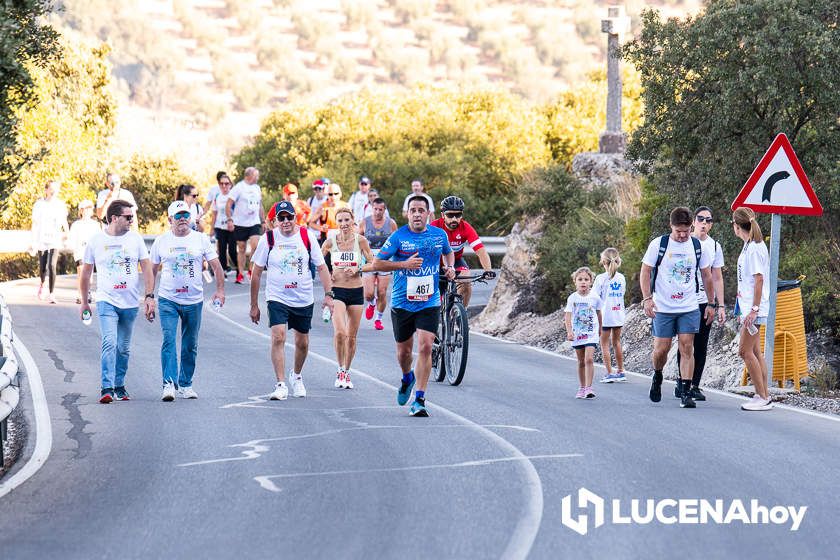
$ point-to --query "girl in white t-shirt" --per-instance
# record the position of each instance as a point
(583, 321)
(611, 287)
(753, 303)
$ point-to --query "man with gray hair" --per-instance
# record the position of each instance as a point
(245, 214)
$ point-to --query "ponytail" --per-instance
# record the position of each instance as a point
(744, 218)
(610, 260)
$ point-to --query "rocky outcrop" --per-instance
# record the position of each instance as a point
(601, 169)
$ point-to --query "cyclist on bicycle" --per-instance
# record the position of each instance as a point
(461, 233)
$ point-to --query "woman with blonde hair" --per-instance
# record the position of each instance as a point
(348, 252)
(611, 286)
(753, 303)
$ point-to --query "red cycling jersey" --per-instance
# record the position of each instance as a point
(460, 236)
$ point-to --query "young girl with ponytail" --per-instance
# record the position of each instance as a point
(610, 286)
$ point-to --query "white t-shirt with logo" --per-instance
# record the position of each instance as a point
(81, 232)
(48, 218)
(219, 203)
(713, 248)
(122, 194)
(611, 292)
(754, 259)
(117, 274)
(675, 290)
(585, 327)
(181, 261)
(247, 201)
(288, 279)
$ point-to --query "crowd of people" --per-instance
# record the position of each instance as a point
(358, 251)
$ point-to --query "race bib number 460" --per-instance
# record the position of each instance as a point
(419, 288)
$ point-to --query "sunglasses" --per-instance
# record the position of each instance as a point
(285, 218)
(334, 194)
(364, 183)
(129, 217)
(182, 216)
(454, 215)
(192, 194)
(703, 219)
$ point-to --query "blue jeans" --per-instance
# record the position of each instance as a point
(116, 325)
(190, 316)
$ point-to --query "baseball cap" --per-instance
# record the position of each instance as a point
(325, 181)
(278, 207)
(178, 206)
(364, 179)
(85, 204)
(289, 188)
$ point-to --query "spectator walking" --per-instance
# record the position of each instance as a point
(610, 286)
(225, 241)
(112, 192)
(245, 213)
(81, 232)
(49, 231)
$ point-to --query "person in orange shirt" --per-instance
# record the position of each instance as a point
(302, 209)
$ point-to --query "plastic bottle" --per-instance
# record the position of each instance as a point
(326, 315)
(217, 305)
(86, 317)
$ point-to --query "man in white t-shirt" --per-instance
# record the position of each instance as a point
(702, 226)
(671, 300)
(284, 253)
(119, 256)
(113, 192)
(49, 231)
(359, 199)
(179, 256)
(245, 214)
(418, 189)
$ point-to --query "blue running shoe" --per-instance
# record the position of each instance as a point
(405, 391)
(418, 408)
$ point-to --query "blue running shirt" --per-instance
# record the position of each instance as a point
(414, 290)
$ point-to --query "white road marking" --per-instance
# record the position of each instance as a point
(528, 525)
(43, 427)
(267, 483)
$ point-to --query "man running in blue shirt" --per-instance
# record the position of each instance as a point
(413, 253)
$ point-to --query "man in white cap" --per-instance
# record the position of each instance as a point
(179, 256)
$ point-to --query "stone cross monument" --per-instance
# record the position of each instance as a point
(612, 140)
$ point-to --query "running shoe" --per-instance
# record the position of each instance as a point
(620, 377)
(656, 387)
(168, 392)
(41, 292)
(405, 390)
(608, 378)
(239, 278)
(697, 394)
(418, 408)
(280, 393)
(369, 311)
(188, 393)
(52, 299)
(678, 390)
(298, 389)
(757, 403)
(347, 383)
(339, 380)
(581, 393)
(589, 393)
(121, 394)
(378, 325)
(686, 401)
(107, 396)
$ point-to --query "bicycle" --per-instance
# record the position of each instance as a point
(452, 341)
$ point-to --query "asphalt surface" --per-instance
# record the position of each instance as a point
(348, 474)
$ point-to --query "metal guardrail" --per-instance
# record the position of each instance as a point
(16, 241)
(9, 388)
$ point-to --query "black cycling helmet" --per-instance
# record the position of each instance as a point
(452, 204)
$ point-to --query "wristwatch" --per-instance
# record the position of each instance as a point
(329, 293)
(150, 296)
(754, 308)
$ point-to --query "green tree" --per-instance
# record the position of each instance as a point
(153, 182)
(25, 43)
(719, 87)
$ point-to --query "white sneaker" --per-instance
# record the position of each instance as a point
(52, 299)
(298, 390)
(281, 392)
(188, 393)
(757, 403)
(339, 380)
(347, 383)
(168, 392)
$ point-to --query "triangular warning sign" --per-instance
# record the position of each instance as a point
(779, 185)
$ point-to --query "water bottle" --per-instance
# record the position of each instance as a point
(326, 314)
(86, 317)
(217, 305)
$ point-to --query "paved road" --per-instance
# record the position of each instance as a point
(347, 474)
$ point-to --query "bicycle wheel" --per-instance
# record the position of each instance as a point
(438, 366)
(457, 343)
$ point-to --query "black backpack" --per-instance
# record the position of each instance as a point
(663, 248)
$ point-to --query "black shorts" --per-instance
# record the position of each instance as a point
(243, 233)
(461, 265)
(297, 318)
(350, 296)
(584, 346)
(406, 322)
(607, 329)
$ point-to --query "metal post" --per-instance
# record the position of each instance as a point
(770, 329)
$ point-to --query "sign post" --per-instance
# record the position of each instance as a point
(777, 186)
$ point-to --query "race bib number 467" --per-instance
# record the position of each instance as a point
(419, 288)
